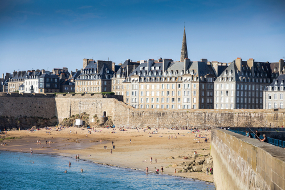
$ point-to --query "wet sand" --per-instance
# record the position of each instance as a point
(167, 148)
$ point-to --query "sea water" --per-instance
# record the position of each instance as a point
(38, 171)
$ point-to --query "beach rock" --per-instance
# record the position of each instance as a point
(197, 168)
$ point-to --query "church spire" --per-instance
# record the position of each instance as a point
(184, 52)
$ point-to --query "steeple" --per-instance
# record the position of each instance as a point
(184, 52)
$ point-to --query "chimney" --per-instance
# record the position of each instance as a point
(238, 62)
(3, 75)
(281, 66)
(113, 66)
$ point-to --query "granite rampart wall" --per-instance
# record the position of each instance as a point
(245, 163)
(65, 105)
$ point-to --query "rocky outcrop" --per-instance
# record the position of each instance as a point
(198, 163)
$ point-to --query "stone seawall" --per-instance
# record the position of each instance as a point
(244, 163)
(27, 105)
(64, 106)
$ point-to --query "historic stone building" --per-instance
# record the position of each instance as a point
(120, 76)
(166, 84)
(16, 81)
(31, 84)
(241, 84)
(48, 83)
(273, 95)
(95, 76)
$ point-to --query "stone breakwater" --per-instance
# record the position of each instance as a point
(99, 107)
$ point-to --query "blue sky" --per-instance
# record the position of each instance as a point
(41, 34)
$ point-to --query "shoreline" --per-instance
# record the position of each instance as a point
(129, 155)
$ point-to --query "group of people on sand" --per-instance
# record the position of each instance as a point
(156, 170)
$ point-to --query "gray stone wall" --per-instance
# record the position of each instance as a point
(64, 106)
(29, 105)
(244, 163)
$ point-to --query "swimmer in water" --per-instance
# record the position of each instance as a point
(65, 171)
(69, 164)
(81, 170)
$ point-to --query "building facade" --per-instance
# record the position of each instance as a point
(241, 84)
(16, 81)
(95, 77)
(273, 95)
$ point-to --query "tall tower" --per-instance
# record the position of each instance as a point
(184, 52)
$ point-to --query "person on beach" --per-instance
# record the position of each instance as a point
(111, 151)
(78, 156)
(130, 141)
(112, 143)
(161, 168)
(150, 159)
(69, 164)
(146, 169)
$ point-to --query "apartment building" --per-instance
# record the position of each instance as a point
(273, 94)
(16, 81)
(166, 84)
(95, 76)
(121, 74)
(241, 84)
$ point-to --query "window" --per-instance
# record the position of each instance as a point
(178, 93)
(162, 100)
(275, 96)
(147, 100)
(194, 100)
(281, 96)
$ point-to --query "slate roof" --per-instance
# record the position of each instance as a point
(201, 68)
(91, 75)
(280, 82)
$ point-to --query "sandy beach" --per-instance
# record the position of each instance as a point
(134, 148)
